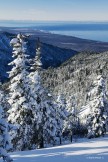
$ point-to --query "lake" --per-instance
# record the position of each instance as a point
(87, 30)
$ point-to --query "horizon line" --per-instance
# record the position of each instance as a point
(55, 20)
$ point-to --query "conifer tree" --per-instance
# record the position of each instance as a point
(20, 114)
(61, 114)
(98, 104)
(4, 136)
(41, 100)
(71, 124)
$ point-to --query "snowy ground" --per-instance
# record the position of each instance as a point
(82, 151)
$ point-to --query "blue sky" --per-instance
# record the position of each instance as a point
(64, 10)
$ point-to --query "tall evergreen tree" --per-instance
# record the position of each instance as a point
(21, 113)
(71, 122)
(4, 136)
(98, 104)
(41, 100)
(61, 114)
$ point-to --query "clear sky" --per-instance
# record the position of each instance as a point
(64, 10)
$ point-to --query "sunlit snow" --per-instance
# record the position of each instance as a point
(83, 150)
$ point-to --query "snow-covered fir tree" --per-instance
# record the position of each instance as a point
(4, 135)
(72, 122)
(21, 114)
(41, 101)
(98, 104)
(61, 114)
(71, 105)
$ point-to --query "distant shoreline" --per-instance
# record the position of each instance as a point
(91, 31)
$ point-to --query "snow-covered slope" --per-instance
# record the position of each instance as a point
(83, 150)
(75, 76)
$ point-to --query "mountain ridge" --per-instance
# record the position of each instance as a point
(54, 53)
(51, 55)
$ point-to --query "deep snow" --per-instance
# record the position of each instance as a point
(83, 150)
